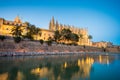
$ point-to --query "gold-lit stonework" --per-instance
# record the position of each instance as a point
(6, 26)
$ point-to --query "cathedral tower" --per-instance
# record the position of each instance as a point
(52, 24)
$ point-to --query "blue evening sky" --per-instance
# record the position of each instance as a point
(101, 17)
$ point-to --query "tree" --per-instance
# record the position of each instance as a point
(17, 33)
(37, 30)
(2, 38)
(74, 37)
(49, 42)
(41, 41)
(17, 39)
(57, 35)
(28, 34)
(32, 30)
(66, 34)
(90, 37)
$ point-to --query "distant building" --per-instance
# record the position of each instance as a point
(6, 26)
(102, 44)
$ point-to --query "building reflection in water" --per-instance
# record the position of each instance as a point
(104, 59)
(80, 67)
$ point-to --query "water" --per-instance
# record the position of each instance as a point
(65, 67)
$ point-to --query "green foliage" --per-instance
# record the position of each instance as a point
(16, 31)
(32, 30)
(49, 42)
(74, 37)
(57, 36)
(41, 41)
(17, 39)
(2, 38)
(90, 37)
(28, 36)
(75, 44)
(66, 34)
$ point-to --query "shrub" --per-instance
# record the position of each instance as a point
(41, 41)
(2, 38)
(49, 42)
(17, 39)
(73, 43)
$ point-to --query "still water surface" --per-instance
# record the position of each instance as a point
(65, 67)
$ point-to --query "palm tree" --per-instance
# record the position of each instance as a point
(28, 25)
(30, 31)
(16, 31)
(90, 37)
(37, 31)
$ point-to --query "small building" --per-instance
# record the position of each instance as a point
(102, 44)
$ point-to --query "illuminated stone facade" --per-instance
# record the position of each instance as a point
(54, 25)
(6, 26)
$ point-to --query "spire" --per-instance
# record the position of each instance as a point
(53, 19)
(57, 25)
(52, 24)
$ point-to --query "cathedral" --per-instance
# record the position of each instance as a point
(6, 26)
(54, 25)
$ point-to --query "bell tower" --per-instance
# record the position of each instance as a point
(17, 20)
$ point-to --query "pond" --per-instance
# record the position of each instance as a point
(61, 67)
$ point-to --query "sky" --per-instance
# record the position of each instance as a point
(100, 17)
